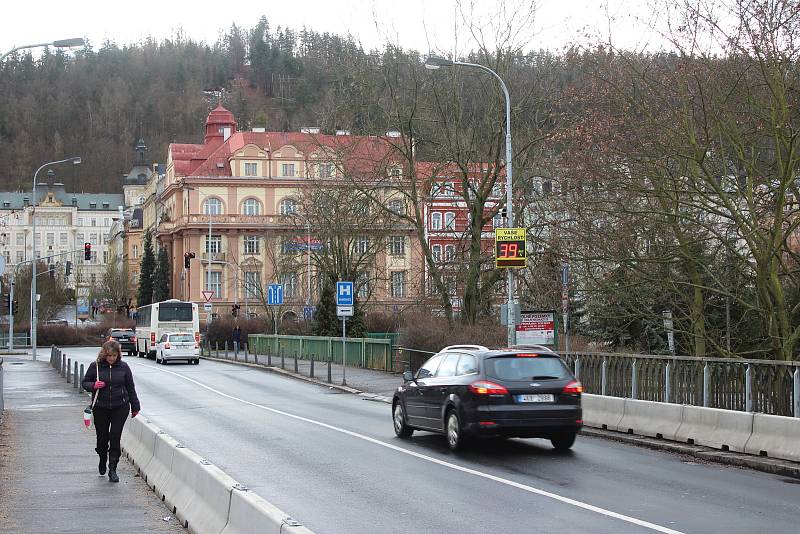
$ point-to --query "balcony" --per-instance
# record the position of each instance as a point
(215, 257)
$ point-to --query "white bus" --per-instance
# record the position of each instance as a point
(155, 320)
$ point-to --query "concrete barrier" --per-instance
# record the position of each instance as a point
(159, 470)
(602, 412)
(250, 514)
(132, 442)
(207, 512)
(775, 436)
(179, 490)
(655, 419)
(148, 437)
(711, 427)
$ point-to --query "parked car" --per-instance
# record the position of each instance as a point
(126, 338)
(469, 391)
(178, 346)
(56, 322)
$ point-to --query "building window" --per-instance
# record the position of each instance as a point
(63, 239)
(20, 239)
(397, 206)
(135, 251)
(251, 169)
(362, 284)
(38, 239)
(449, 189)
(436, 221)
(20, 256)
(397, 245)
(251, 284)
(361, 245)
(326, 170)
(214, 282)
(497, 220)
(287, 170)
(449, 253)
(212, 206)
(398, 284)
(214, 245)
(289, 282)
(288, 206)
(436, 252)
(436, 189)
(251, 244)
(94, 257)
(105, 256)
(93, 239)
(497, 189)
(251, 206)
(94, 221)
(450, 221)
(105, 239)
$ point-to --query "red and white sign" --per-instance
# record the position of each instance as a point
(536, 328)
(208, 295)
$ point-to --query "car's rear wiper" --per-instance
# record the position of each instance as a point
(545, 377)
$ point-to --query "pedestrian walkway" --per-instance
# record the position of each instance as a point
(48, 468)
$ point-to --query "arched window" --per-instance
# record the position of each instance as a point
(436, 220)
(212, 206)
(449, 221)
(251, 206)
(288, 206)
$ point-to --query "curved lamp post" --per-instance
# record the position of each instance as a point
(62, 43)
(75, 161)
(437, 62)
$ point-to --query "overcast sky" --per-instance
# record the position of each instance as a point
(424, 25)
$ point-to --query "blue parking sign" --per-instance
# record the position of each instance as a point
(344, 293)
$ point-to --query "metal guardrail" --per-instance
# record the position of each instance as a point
(21, 340)
(765, 386)
(361, 352)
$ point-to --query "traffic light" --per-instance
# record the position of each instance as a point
(187, 257)
(87, 251)
(235, 310)
(14, 307)
(69, 268)
(504, 213)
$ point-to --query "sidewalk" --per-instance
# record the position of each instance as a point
(48, 468)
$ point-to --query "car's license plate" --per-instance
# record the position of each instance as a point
(541, 397)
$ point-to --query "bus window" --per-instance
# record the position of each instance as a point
(175, 312)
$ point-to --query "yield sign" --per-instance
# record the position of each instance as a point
(208, 295)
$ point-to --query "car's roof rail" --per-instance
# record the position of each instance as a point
(478, 347)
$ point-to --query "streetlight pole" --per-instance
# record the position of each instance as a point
(75, 161)
(436, 62)
(62, 43)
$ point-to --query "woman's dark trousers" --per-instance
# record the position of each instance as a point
(109, 423)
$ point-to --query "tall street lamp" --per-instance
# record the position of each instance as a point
(435, 63)
(75, 161)
(63, 43)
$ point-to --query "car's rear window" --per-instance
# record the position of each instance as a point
(525, 368)
(181, 337)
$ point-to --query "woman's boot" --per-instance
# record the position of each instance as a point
(101, 467)
(112, 468)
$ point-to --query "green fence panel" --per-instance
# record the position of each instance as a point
(372, 353)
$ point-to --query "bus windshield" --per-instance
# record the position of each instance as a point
(181, 311)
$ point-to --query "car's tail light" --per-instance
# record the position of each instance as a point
(166, 345)
(573, 388)
(197, 337)
(527, 355)
(152, 337)
(484, 387)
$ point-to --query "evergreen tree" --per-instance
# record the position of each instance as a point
(145, 294)
(327, 324)
(161, 277)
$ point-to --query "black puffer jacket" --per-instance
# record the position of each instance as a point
(119, 388)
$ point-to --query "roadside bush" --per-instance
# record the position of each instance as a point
(221, 330)
(423, 332)
(382, 322)
(61, 335)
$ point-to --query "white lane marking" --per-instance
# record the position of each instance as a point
(530, 489)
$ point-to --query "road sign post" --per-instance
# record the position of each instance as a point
(344, 309)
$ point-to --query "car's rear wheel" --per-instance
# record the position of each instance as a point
(399, 416)
(455, 434)
(564, 441)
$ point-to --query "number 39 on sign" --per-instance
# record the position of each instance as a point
(509, 247)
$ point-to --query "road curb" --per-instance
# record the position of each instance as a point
(757, 463)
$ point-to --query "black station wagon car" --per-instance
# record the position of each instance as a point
(468, 390)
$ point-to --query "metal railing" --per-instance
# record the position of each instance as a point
(22, 339)
(2, 403)
(766, 386)
(361, 352)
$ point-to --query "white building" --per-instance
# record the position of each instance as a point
(64, 222)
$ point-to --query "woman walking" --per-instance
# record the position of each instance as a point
(111, 382)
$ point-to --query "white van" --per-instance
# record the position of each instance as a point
(169, 316)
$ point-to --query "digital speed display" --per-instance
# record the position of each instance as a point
(509, 247)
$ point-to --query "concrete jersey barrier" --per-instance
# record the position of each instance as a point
(602, 412)
(654, 419)
(711, 427)
(202, 496)
(775, 436)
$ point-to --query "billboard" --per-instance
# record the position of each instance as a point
(536, 328)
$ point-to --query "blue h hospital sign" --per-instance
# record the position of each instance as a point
(344, 293)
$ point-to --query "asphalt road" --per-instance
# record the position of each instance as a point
(331, 460)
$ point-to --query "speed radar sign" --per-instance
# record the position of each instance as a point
(509, 248)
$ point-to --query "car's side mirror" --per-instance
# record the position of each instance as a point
(408, 376)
